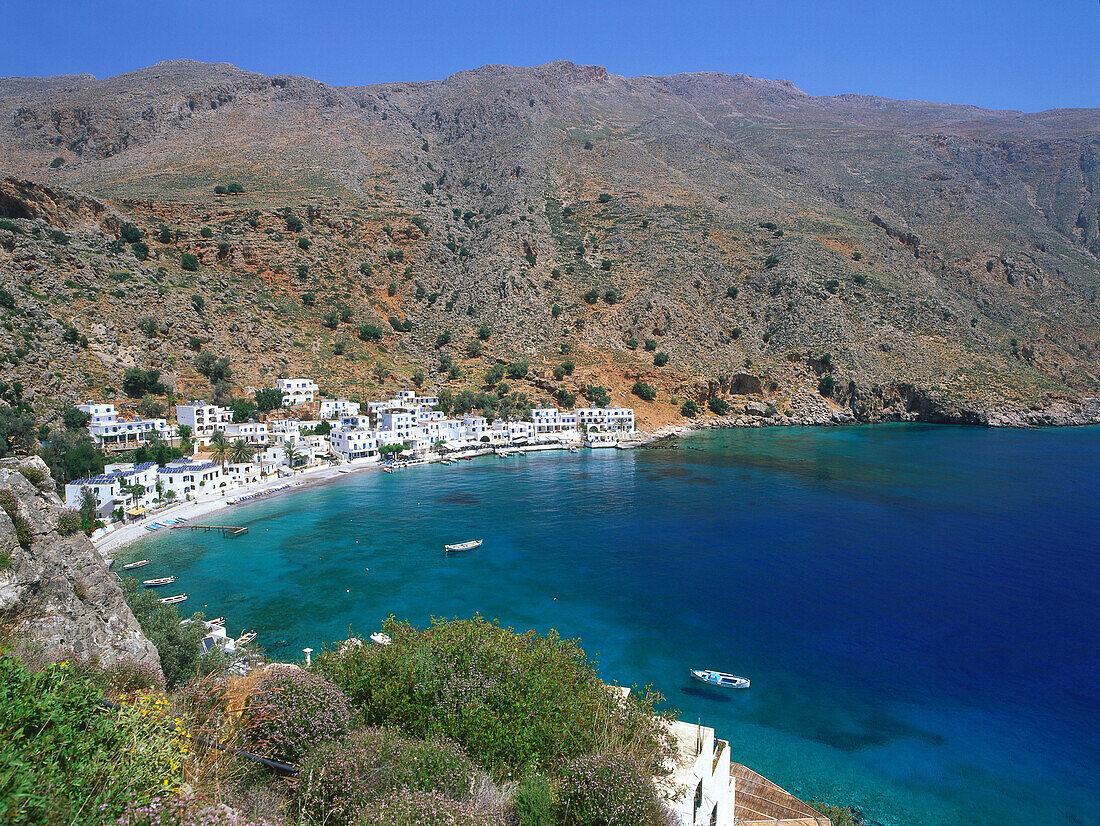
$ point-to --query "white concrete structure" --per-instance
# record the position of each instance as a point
(610, 419)
(203, 419)
(296, 391)
(703, 773)
(255, 433)
(185, 478)
(350, 445)
(108, 487)
(100, 413)
(124, 435)
(337, 409)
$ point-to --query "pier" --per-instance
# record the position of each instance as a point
(226, 530)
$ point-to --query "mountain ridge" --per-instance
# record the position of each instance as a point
(737, 221)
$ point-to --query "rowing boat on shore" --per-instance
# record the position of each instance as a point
(719, 678)
(463, 546)
(141, 563)
(155, 583)
(245, 639)
(175, 599)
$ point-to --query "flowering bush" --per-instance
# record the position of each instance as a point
(511, 700)
(342, 776)
(183, 811)
(294, 712)
(600, 790)
(54, 738)
(412, 808)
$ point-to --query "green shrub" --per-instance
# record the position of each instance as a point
(568, 366)
(36, 476)
(859, 279)
(632, 343)
(24, 533)
(719, 406)
(293, 222)
(597, 395)
(604, 197)
(833, 286)
(304, 243)
(839, 815)
(220, 189)
(604, 790)
(63, 761)
(10, 226)
(506, 698)
(651, 344)
(303, 271)
(660, 359)
(234, 188)
(827, 385)
(130, 233)
(856, 256)
(443, 338)
(689, 409)
(732, 291)
(592, 296)
(475, 348)
(370, 332)
(771, 261)
(309, 299)
(518, 369)
(294, 711)
(178, 645)
(534, 802)
(140, 250)
(483, 332)
(57, 162)
(189, 262)
(365, 268)
(643, 391)
(206, 232)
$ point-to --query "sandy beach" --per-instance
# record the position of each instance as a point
(110, 543)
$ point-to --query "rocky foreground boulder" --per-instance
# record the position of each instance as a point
(55, 588)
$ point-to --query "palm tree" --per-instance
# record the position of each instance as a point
(292, 455)
(219, 448)
(241, 452)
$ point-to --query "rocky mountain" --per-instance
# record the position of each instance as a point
(849, 255)
(54, 587)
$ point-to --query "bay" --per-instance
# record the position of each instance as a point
(916, 605)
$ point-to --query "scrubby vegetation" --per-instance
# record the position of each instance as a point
(463, 723)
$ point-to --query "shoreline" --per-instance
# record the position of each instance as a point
(126, 535)
(120, 538)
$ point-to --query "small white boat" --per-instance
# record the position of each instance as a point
(719, 678)
(463, 546)
(218, 621)
(175, 599)
(388, 469)
(245, 639)
(141, 563)
(378, 638)
(155, 583)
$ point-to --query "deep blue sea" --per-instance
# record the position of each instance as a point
(918, 607)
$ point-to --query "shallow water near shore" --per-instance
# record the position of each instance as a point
(917, 606)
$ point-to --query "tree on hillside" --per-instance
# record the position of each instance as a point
(74, 419)
(270, 398)
(292, 455)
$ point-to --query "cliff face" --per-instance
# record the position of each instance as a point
(55, 588)
(744, 226)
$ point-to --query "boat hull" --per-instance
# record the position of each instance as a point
(719, 679)
(463, 546)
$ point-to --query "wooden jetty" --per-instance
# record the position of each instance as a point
(226, 530)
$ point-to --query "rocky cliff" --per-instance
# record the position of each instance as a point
(942, 257)
(54, 586)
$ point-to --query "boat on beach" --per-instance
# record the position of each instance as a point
(719, 678)
(463, 546)
(156, 583)
(175, 599)
(141, 563)
(245, 639)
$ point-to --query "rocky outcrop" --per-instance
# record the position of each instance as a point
(55, 588)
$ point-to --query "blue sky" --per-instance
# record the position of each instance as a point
(1014, 54)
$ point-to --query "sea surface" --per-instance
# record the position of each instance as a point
(917, 606)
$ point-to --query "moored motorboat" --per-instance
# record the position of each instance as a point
(175, 599)
(719, 678)
(219, 621)
(463, 546)
(141, 563)
(155, 583)
(245, 639)
(378, 638)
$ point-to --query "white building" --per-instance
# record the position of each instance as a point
(185, 478)
(108, 488)
(203, 419)
(120, 434)
(255, 433)
(702, 775)
(608, 419)
(350, 445)
(296, 391)
(337, 409)
(100, 413)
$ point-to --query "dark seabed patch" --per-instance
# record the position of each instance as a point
(458, 497)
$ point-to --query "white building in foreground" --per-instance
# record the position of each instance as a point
(337, 409)
(350, 445)
(702, 776)
(108, 488)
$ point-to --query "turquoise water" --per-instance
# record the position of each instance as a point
(917, 606)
